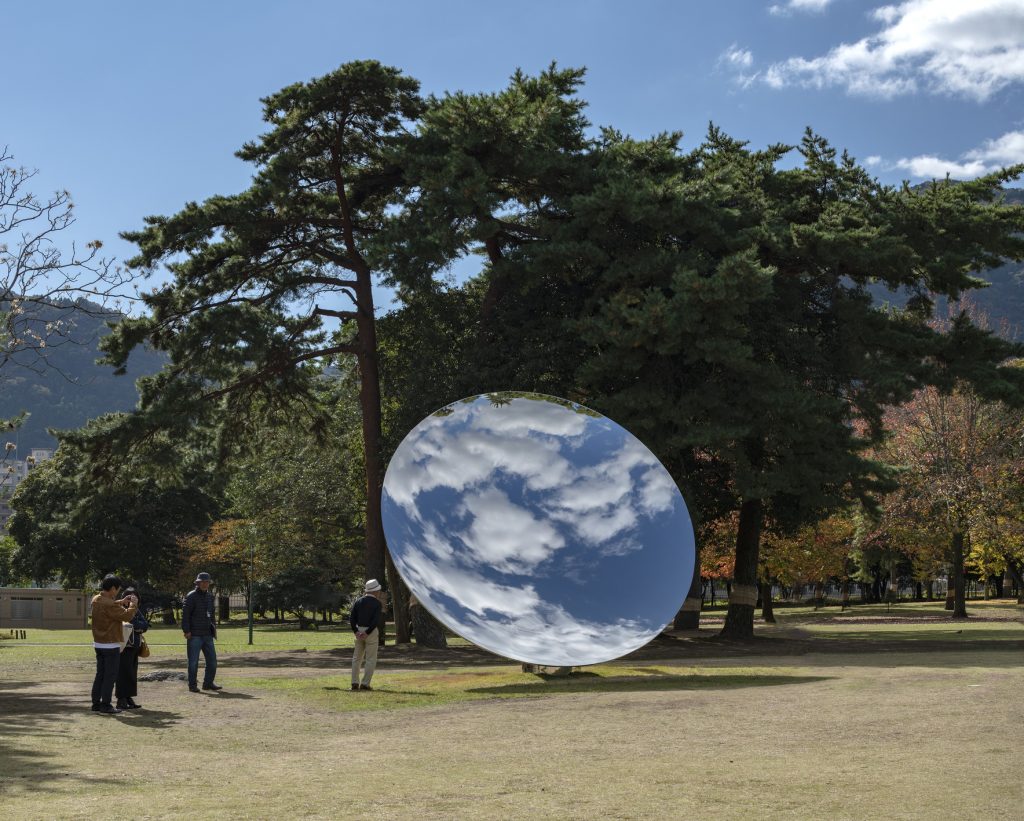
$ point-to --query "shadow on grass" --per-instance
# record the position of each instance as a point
(340, 658)
(149, 719)
(29, 715)
(389, 692)
(657, 680)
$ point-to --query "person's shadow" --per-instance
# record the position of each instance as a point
(150, 719)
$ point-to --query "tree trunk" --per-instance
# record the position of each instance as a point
(399, 599)
(950, 592)
(959, 586)
(375, 557)
(167, 616)
(1016, 571)
(767, 611)
(739, 619)
(369, 405)
(224, 607)
(688, 617)
(425, 627)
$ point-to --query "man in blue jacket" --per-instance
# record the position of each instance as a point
(366, 616)
(200, 629)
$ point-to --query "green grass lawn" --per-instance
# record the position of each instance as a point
(738, 732)
(735, 738)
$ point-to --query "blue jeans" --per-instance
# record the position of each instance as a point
(204, 643)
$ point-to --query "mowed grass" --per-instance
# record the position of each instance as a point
(734, 738)
(167, 642)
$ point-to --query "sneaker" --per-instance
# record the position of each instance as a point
(192, 688)
(365, 687)
(354, 687)
(212, 687)
(107, 710)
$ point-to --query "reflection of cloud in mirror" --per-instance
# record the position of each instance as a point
(538, 529)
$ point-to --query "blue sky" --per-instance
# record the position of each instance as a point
(137, 108)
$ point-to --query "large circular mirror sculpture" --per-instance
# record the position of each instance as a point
(538, 529)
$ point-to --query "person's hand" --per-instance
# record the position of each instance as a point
(188, 636)
(360, 635)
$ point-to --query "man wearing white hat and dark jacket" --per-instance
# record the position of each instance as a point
(366, 616)
(200, 629)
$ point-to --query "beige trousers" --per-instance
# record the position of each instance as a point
(365, 649)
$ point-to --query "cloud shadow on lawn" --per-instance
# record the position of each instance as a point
(653, 680)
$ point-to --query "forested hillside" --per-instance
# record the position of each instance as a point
(63, 387)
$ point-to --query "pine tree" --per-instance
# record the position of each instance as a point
(257, 273)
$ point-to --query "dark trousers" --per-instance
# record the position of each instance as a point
(107, 662)
(205, 644)
(128, 674)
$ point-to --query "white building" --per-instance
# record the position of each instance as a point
(12, 471)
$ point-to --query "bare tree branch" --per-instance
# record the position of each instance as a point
(42, 286)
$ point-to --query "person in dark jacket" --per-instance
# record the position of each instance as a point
(365, 618)
(127, 686)
(200, 629)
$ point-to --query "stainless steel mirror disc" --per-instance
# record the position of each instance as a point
(538, 529)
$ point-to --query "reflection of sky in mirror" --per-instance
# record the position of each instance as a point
(538, 529)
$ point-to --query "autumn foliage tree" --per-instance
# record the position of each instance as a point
(957, 455)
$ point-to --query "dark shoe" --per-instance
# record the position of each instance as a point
(212, 687)
(132, 705)
(365, 687)
(107, 710)
(354, 687)
(122, 705)
(192, 688)
(97, 705)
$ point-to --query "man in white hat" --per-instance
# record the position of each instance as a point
(366, 617)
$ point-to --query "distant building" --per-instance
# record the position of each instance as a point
(12, 471)
(23, 607)
(39, 455)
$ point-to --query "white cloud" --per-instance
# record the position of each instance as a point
(504, 535)
(1005, 150)
(990, 156)
(736, 57)
(798, 5)
(955, 47)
